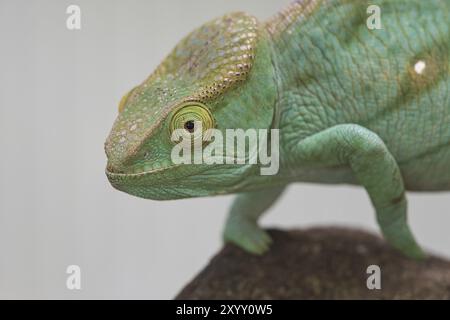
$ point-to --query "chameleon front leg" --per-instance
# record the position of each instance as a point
(242, 223)
(374, 167)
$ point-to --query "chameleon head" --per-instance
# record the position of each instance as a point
(221, 75)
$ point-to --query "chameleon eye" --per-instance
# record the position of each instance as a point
(189, 126)
(190, 114)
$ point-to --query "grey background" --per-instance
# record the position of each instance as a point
(59, 91)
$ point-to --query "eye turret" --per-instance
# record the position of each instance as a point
(188, 115)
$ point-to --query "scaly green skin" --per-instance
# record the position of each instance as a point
(350, 105)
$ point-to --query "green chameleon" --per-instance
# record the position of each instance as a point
(353, 104)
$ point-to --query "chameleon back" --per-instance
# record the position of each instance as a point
(395, 81)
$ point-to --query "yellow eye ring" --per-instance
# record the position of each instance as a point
(190, 114)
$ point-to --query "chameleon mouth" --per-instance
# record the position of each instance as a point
(126, 181)
(176, 183)
(136, 172)
(155, 177)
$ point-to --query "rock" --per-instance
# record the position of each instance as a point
(319, 263)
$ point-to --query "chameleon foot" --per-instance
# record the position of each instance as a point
(248, 236)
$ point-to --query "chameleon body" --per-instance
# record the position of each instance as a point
(353, 105)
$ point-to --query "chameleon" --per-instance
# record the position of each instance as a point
(353, 105)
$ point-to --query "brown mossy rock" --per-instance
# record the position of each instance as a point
(319, 263)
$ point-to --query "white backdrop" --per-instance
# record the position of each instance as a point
(59, 91)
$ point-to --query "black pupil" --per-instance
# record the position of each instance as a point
(189, 126)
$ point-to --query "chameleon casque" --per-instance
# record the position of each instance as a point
(350, 103)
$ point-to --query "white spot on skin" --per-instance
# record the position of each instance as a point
(420, 66)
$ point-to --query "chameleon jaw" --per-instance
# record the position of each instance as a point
(113, 174)
(123, 181)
